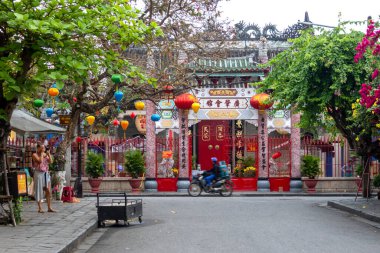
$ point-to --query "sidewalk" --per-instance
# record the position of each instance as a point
(368, 209)
(50, 232)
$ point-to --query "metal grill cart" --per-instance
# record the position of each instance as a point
(116, 206)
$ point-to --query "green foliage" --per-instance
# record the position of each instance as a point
(248, 161)
(376, 181)
(318, 77)
(66, 42)
(94, 164)
(17, 209)
(310, 166)
(134, 163)
(359, 170)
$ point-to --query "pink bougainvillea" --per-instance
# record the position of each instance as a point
(370, 93)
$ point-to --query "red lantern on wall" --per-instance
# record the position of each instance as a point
(276, 155)
(261, 101)
(185, 101)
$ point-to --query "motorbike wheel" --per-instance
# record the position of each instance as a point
(194, 190)
(227, 189)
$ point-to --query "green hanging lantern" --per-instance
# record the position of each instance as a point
(116, 78)
(38, 103)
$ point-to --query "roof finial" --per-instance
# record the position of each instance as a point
(307, 17)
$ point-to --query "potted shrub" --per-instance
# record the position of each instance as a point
(135, 166)
(376, 183)
(94, 170)
(310, 169)
(245, 175)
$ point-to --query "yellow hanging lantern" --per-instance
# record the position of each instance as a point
(90, 120)
(196, 106)
(139, 105)
(124, 124)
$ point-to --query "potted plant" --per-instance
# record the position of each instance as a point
(376, 183)
(94, 170)
(310, 169)
(135, 166)
(245, 175)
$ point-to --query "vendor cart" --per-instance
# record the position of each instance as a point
(117, 207)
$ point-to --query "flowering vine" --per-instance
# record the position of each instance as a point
(370, 93)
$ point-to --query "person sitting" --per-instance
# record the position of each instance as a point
(213, 172)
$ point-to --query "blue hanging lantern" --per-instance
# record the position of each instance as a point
(49, 112)
(118, 96)
(155, 117)
(54, 85)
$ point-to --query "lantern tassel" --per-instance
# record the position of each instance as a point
(124, 135)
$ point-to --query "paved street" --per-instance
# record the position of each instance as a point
(239, 224)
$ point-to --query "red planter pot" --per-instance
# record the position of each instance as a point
(279, 184)
(244, 183)
(310, 183)
(167, 184)
(94, 183)
(135, 184)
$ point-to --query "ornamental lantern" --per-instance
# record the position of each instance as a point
(118, 96)
(53, 92)
(116, 78)
(115, 122)
(49, 112)
(132, 115)
(38, 103)
(155, 117)
(78, 139)
(90, 120)
(185, 101)
(124, 124)
(195, 106)
(139, 105)
(167, 92)
(261, 101)
(276, 155)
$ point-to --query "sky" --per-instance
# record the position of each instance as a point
(284, 13)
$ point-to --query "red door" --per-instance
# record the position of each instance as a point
(213, 136)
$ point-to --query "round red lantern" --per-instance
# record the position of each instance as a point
(261, 101)
(78, 139)
(185, 101)
(276, 155)
(115, 122)
(133, 115)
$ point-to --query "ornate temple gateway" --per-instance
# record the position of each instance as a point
(259, 144)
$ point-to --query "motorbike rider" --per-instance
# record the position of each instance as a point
(213, 172)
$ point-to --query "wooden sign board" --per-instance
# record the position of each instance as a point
(64, 120)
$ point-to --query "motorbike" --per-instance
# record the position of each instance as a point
(222, 186)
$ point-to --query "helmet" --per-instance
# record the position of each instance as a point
(214, 159)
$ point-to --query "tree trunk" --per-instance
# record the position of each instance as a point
(5, 129)
(69, 136)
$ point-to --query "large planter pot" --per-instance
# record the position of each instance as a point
(310, 183)
(244, 183)
(167, 184)
(136, 183)
(95, 183)
(279, 184)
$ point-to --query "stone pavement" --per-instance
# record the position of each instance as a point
(365, 208)
(50, 232)
(65, 230)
